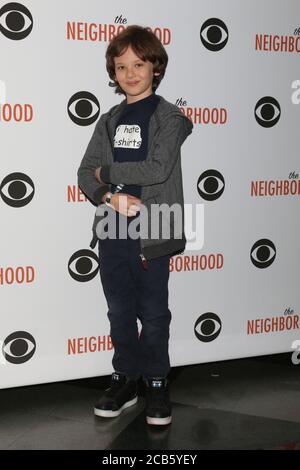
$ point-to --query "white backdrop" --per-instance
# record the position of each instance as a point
(54, 87)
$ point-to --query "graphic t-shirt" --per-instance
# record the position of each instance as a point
(131, 136)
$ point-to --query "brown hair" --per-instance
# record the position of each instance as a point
(145, 45)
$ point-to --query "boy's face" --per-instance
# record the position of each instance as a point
(134, 75)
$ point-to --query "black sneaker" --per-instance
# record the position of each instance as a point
(121, 394)
(158, 406)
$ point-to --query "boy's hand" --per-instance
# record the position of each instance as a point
(126, 204)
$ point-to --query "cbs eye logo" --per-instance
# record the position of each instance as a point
(263, 253)
(208, 327)
(214, 34)
(19, 347)
(83, 265)
(83, 108)
(14, 189)
(210, 185)
(16, 21)
(267, 111)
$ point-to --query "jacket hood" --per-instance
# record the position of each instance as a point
(165, 109)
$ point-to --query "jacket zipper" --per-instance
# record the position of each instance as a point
(144, 261)
(143, 258)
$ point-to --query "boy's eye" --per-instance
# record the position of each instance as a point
(121, 66)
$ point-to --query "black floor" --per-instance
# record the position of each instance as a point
(251, 403)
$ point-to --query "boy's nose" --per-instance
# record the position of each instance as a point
(130, 73)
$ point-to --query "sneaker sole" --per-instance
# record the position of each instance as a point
(113, 414)
(159, 421)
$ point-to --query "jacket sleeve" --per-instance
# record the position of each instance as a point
(159, 163)
(91, 160)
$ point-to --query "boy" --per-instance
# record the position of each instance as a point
(133, 162)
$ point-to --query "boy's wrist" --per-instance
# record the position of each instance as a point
(107, 197)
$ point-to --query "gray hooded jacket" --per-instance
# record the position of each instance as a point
(159, 175)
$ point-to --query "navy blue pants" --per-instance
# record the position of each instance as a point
(132, 292)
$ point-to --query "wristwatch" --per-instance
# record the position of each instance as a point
(108, 198)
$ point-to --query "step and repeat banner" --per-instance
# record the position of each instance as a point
(234, 71)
